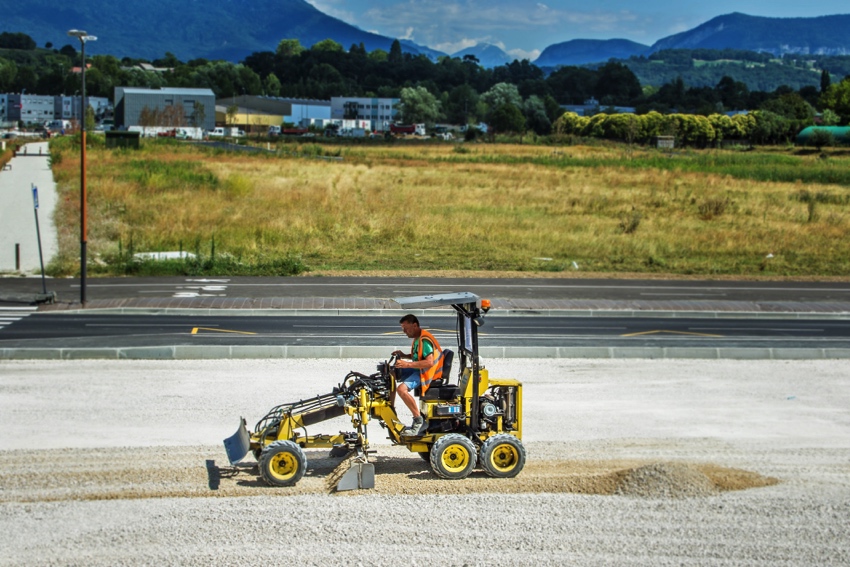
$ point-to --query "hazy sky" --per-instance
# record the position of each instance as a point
(524, 28)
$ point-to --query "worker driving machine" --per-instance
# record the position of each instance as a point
(472, 420)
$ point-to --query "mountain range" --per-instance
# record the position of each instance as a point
(233, 29)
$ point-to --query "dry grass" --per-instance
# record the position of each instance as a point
(491, 208)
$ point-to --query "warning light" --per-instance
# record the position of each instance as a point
(485, 305)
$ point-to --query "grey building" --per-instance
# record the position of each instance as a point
(31, 109)
(197, 106)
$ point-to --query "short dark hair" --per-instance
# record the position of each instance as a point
(409, 318)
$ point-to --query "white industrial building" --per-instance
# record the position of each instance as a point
(380, 111)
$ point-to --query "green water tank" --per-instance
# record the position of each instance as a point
(840, 135)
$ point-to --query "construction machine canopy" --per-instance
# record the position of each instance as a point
(437, 300)
(469, 318)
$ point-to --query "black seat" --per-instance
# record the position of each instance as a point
(448, 359)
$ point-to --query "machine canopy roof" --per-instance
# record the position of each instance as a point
(436, 300)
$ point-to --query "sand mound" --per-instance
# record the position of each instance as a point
(665, 480)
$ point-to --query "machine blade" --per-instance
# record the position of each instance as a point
(352, 474)
(238, 444)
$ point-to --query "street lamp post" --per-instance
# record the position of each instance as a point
(83, 37)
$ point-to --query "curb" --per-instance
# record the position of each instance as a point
(445, 312)
(279, 352)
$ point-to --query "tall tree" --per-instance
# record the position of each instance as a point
(418, 106)
(395, 57)
(825, 81)
(289, 48)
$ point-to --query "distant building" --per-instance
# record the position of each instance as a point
(381, 111)
(196, 105)
(306, 112)
(38, 109)
(592, 107)
(68, 107)
(3, 116)
(253, 113)
(30, 108)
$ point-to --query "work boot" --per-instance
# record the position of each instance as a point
(416, 429)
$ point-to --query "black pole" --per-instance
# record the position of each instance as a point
(40, 256)
(83, 243)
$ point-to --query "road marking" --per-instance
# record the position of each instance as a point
(761, 329)
(196, 329)
(9, 315)
(580, 328)
(660, 332)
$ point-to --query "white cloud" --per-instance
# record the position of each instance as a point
(523, 54)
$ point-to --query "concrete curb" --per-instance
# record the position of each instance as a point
(430, 313)
(380, 353)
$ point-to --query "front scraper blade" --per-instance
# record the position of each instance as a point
(238, 444)
(351, 474)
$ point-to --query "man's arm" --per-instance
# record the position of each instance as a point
(426, 362)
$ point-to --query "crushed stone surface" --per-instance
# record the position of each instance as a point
(629, 462)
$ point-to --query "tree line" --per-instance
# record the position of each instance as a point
(518, 96)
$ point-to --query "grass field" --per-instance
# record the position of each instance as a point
(499, 208)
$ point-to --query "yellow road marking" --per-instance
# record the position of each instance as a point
(196, 329)
(671, 333)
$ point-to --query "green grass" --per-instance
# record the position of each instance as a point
(491, 208)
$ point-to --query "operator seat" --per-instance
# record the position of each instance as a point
(441, 389)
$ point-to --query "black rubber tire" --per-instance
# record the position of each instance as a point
(453, 456)
(426, 456)
(282, 463)
(502, 456)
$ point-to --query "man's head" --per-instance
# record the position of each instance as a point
(410, 326)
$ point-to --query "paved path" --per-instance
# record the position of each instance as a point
(17, 219)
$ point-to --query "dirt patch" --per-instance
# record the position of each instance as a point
(202, 472)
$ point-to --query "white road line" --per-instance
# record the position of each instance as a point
(9, 315)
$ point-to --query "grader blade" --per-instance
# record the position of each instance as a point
(352, 474)
(238, 444)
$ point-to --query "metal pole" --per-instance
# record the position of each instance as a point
(38, 236)
(83, 37)
(83, 227)
(17, 257)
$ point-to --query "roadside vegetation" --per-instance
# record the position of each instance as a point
(499, 208)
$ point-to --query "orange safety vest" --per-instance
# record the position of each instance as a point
(428, 375)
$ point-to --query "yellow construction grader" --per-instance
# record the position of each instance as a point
(472, 420)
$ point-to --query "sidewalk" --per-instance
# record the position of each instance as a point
(17, 218)
(258, 306)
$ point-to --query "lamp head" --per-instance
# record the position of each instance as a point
(81, 35)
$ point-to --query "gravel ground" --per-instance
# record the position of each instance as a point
(631, 462)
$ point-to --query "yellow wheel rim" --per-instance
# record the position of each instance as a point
(455, 458)
(504, 457)
(283, 466)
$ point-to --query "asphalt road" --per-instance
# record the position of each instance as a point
(46, 330)
(68, 290)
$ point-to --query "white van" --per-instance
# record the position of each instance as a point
(58, 125)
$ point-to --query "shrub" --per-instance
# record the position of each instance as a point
(629, 222)
(713, 208)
